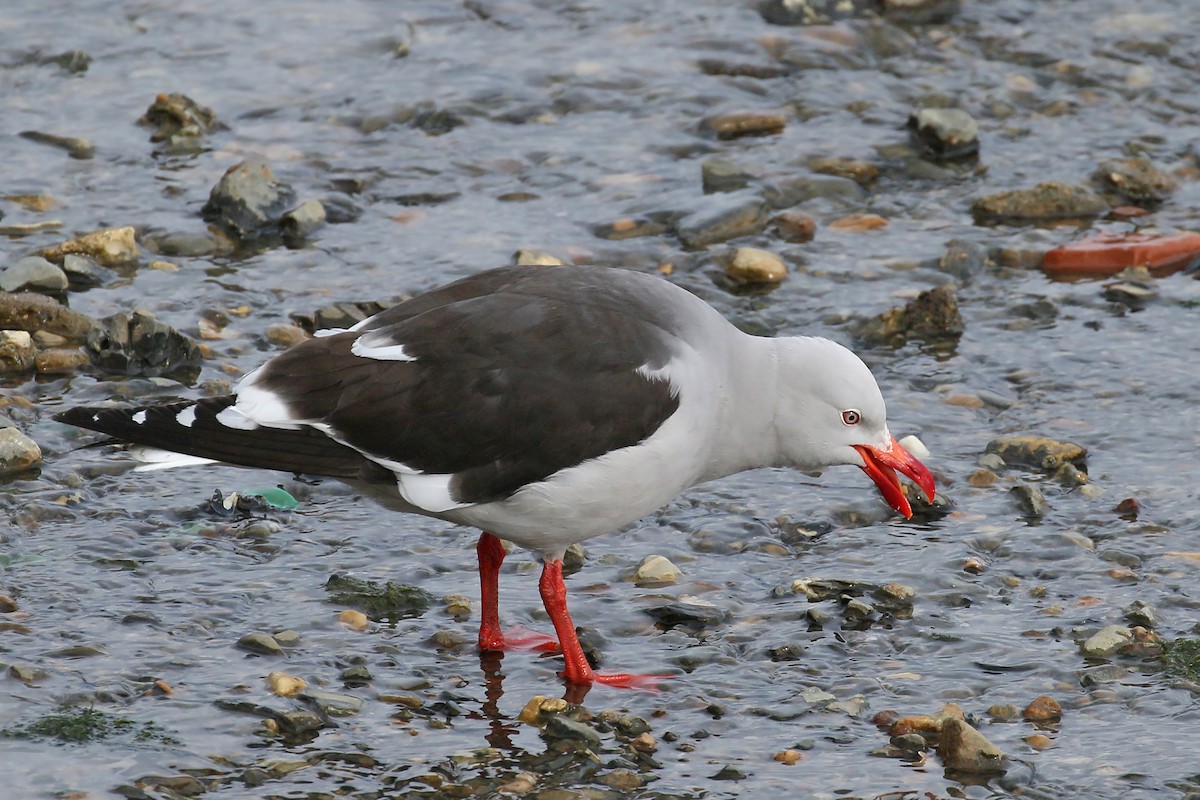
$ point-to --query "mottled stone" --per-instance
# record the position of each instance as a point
(945, 134)
(1136, 180)
(17, 352)
(1046, 201)
(108, 247)
(1042, 709)
(655, 570)
(743, 123)
(17, 452)
(1107, 641)
(248, 200)
(1039, 452)
(729, 217)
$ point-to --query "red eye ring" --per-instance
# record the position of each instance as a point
(851, 416)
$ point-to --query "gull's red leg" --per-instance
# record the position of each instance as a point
(578, 671)
(491, 555)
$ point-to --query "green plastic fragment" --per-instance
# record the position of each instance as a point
(277, 496)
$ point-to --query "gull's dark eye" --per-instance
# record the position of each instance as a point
(851, 416)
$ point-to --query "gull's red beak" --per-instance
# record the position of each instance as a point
(882, 466)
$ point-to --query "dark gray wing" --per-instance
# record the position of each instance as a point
(515, 374)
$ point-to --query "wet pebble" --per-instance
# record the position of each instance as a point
(1042, 709)
(630, 228)
(108, 247)
(353, 619)
(623, 780)
(33, 274)
(743, 123)
(787, 192)
(27, 673)
(82, 272)
(789, 756)
(752, 265)
(7, 604)
(656, 570)
(260, 643)
(1046, 201)
(863, 173)
(1004, 712)
(720, 175)
(17, 452)
(248, 200)
(858, 223)
(286, 334)
(285, 684)
(812, 12)
(945, 133)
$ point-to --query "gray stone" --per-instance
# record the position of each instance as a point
(1046, 201)
(261, 643)
(655, 570)
(333, 703)
(138, 344)
(1030, 500)
(17, 452)
(82, 272)
(303, 219)
(1106, 642)
(787, 192)
(559, 727)
(718, 175)
(34, 274)
(1142, 613)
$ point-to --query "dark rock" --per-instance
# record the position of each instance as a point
(1046, 201)
(179, 120)
(945, 134)
(560, 727)
(138, 344)
(863, 173)
(75, 62)
(82, 272)
(716, 66)
(1135, 180)
(248, 201)
(789, 191)
(685, 615)
(719, 175)
(1142, 613)
(932, 316)
(725, 217)
(921, 12)
(381, 602)
(729, 773)
(75, 147)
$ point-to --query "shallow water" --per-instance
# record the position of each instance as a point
(593, 111)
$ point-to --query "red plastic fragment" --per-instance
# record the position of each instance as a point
(1107, 254)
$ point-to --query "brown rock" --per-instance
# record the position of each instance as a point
(1136, 180)
(964, 749)
(37, 312)
(795, 226)
(353, 619)
(1038, 452)
(858, 223)
(58, 360)
(1039, 741)
(933, 315)
(743, 123)
(1042, 709)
